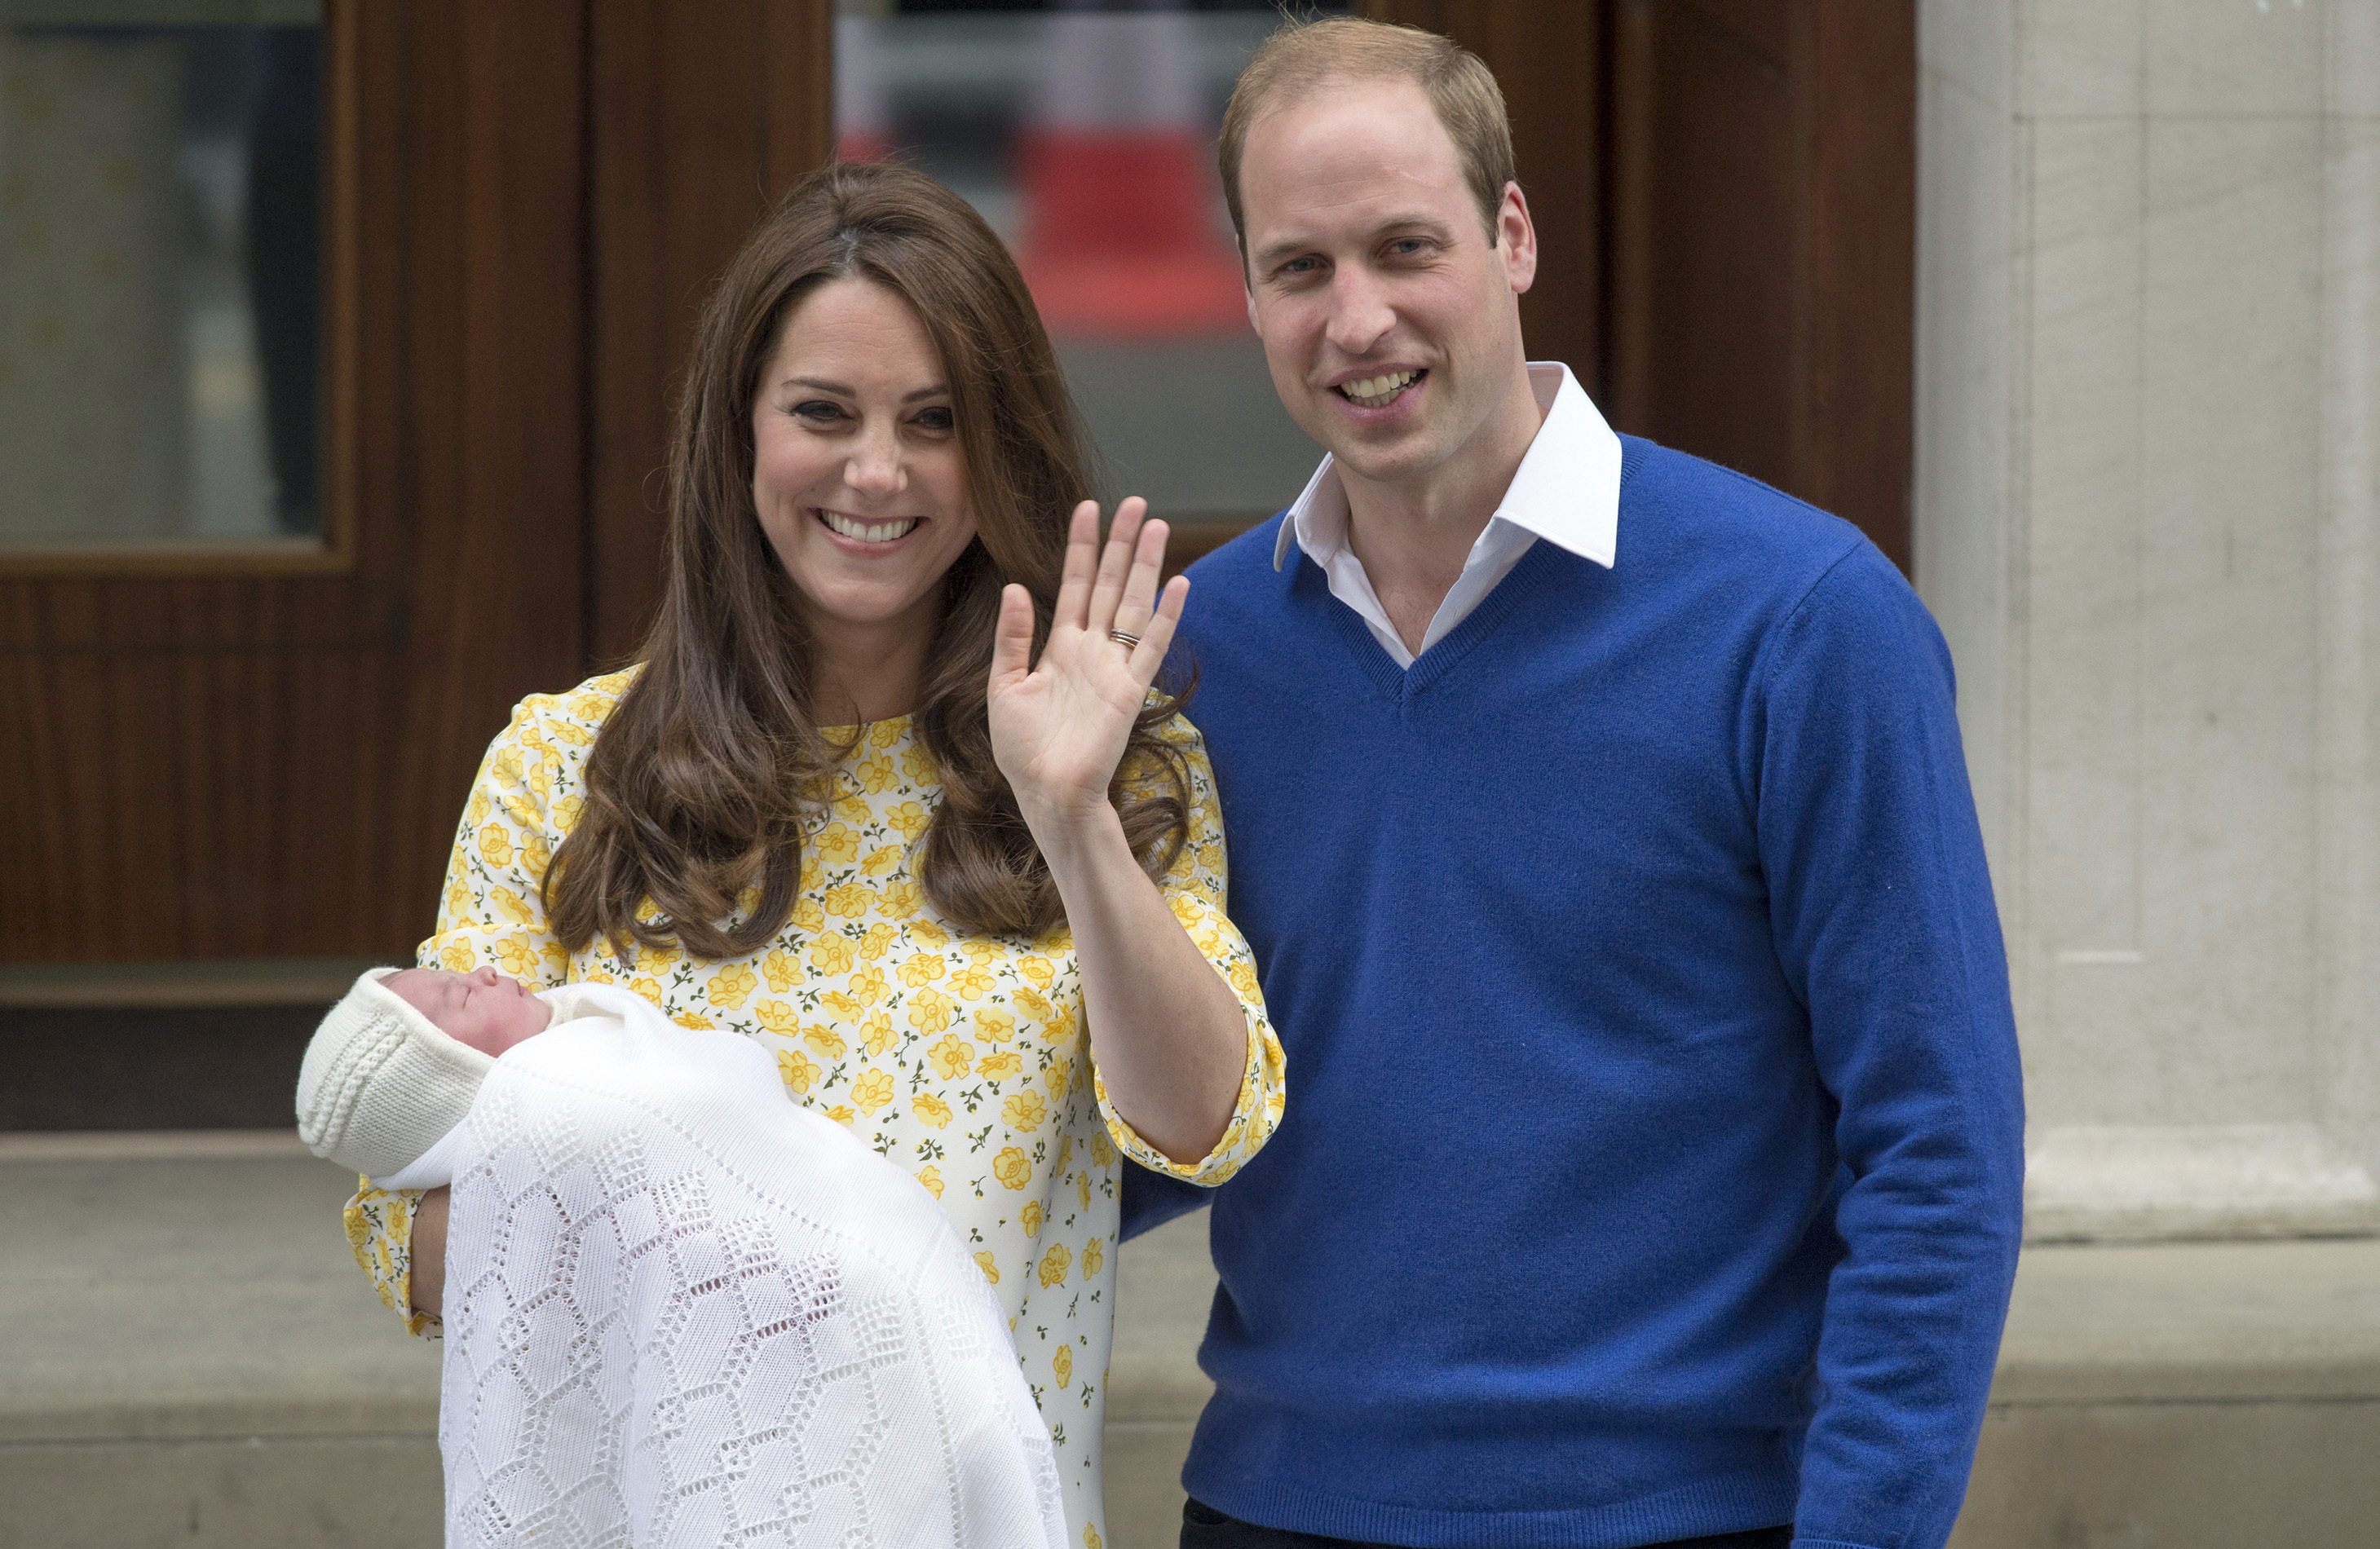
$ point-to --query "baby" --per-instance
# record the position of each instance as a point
(394, 1067)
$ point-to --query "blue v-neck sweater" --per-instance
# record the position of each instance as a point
(1652, 1156)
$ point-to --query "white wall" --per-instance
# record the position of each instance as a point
(2146, 515)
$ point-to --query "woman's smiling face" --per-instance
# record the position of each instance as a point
(857, 472)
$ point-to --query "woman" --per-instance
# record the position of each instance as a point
(968, 894)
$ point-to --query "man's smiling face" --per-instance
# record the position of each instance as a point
(1390, 317)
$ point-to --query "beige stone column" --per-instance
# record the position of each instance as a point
(2146, 516)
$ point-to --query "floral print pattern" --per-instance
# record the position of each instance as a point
(961, 1058)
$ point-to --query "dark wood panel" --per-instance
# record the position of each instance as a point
(1762, 219)
(234, 766)
(704, 112)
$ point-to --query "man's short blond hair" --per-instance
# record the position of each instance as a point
(1303, 55)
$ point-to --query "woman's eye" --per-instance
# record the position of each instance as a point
(817, 412)
(936, 420)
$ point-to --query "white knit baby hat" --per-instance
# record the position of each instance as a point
(421, 1080)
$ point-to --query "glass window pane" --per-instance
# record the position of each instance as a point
(159, 261)
(1086, 135)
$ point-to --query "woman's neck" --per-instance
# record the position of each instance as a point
(865, 672)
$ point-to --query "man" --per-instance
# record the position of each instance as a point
(1598, 818)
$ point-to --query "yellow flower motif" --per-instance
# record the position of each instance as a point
(826, 1041)
(649, 988)
(477, 812)
(1056, 941)
(812, 874)
(981, 949)
(657, 960)
(1244, 979)
(999, 1064)
(875, 1034)
(902, 898)
(781, 970)
(1057, 1078)
(597, 976)
(1083, 1187)
(647, 911)
(1186, 909)
(576, 736)
(878, 941)
(520, 809)
(1103, 1151)
(923, 968)
(536, 856)
(689, 1018)
(506, 765)
(1030, 1218)
(1065, 1151)
(831, 954)
(991, 1270)
(566, 811)
(910, 819)
(842, 1006)
(558, 958)
(972, 983)
(850, 808)
(518, 956)
(1033, 1005)
(541, 779)
(841, 1113)
(494, 848)
(776, 1016)
(1024, 1111)
(926, 933)
(952, 1057)
(1063, 1364)
(995, 1025)
(875, 775)
(455, 957)
(1037, 969)
(1090, 1537)
(930, 1110)
(885, 733)
(1054, 1265)
(732, 985)
(1209, 854)
(871, 985)
(747, 901)
(1011, 1167)
(457, 900)
(931, 1177)
(848, 902)
(872, 1090)
(838, 842)
(1094, 1256)
(808, 916)
(918, 764)
(881, 859)
(929, 1010)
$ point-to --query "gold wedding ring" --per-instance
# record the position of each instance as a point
(1124, 637)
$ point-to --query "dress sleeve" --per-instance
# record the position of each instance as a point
(491, 912)
(1196, 889)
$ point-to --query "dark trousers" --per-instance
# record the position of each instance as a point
(1204, 1528)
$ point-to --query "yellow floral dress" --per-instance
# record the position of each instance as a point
(961, 1058)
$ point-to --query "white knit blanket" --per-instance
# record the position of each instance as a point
(681, 1310)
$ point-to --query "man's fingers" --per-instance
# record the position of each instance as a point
(1012, 637)
(1082, 560)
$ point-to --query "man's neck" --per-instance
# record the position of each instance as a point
(1413, 537)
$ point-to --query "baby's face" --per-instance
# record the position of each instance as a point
(482, 1009)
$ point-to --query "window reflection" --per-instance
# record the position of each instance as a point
(1085, 136)
(160, 254)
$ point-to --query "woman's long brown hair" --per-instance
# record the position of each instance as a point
(710, 768)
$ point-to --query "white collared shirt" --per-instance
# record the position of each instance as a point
(1566, 492)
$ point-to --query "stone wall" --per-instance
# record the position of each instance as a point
(2147, 514)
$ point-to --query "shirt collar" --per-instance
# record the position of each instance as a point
(1566, 489)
